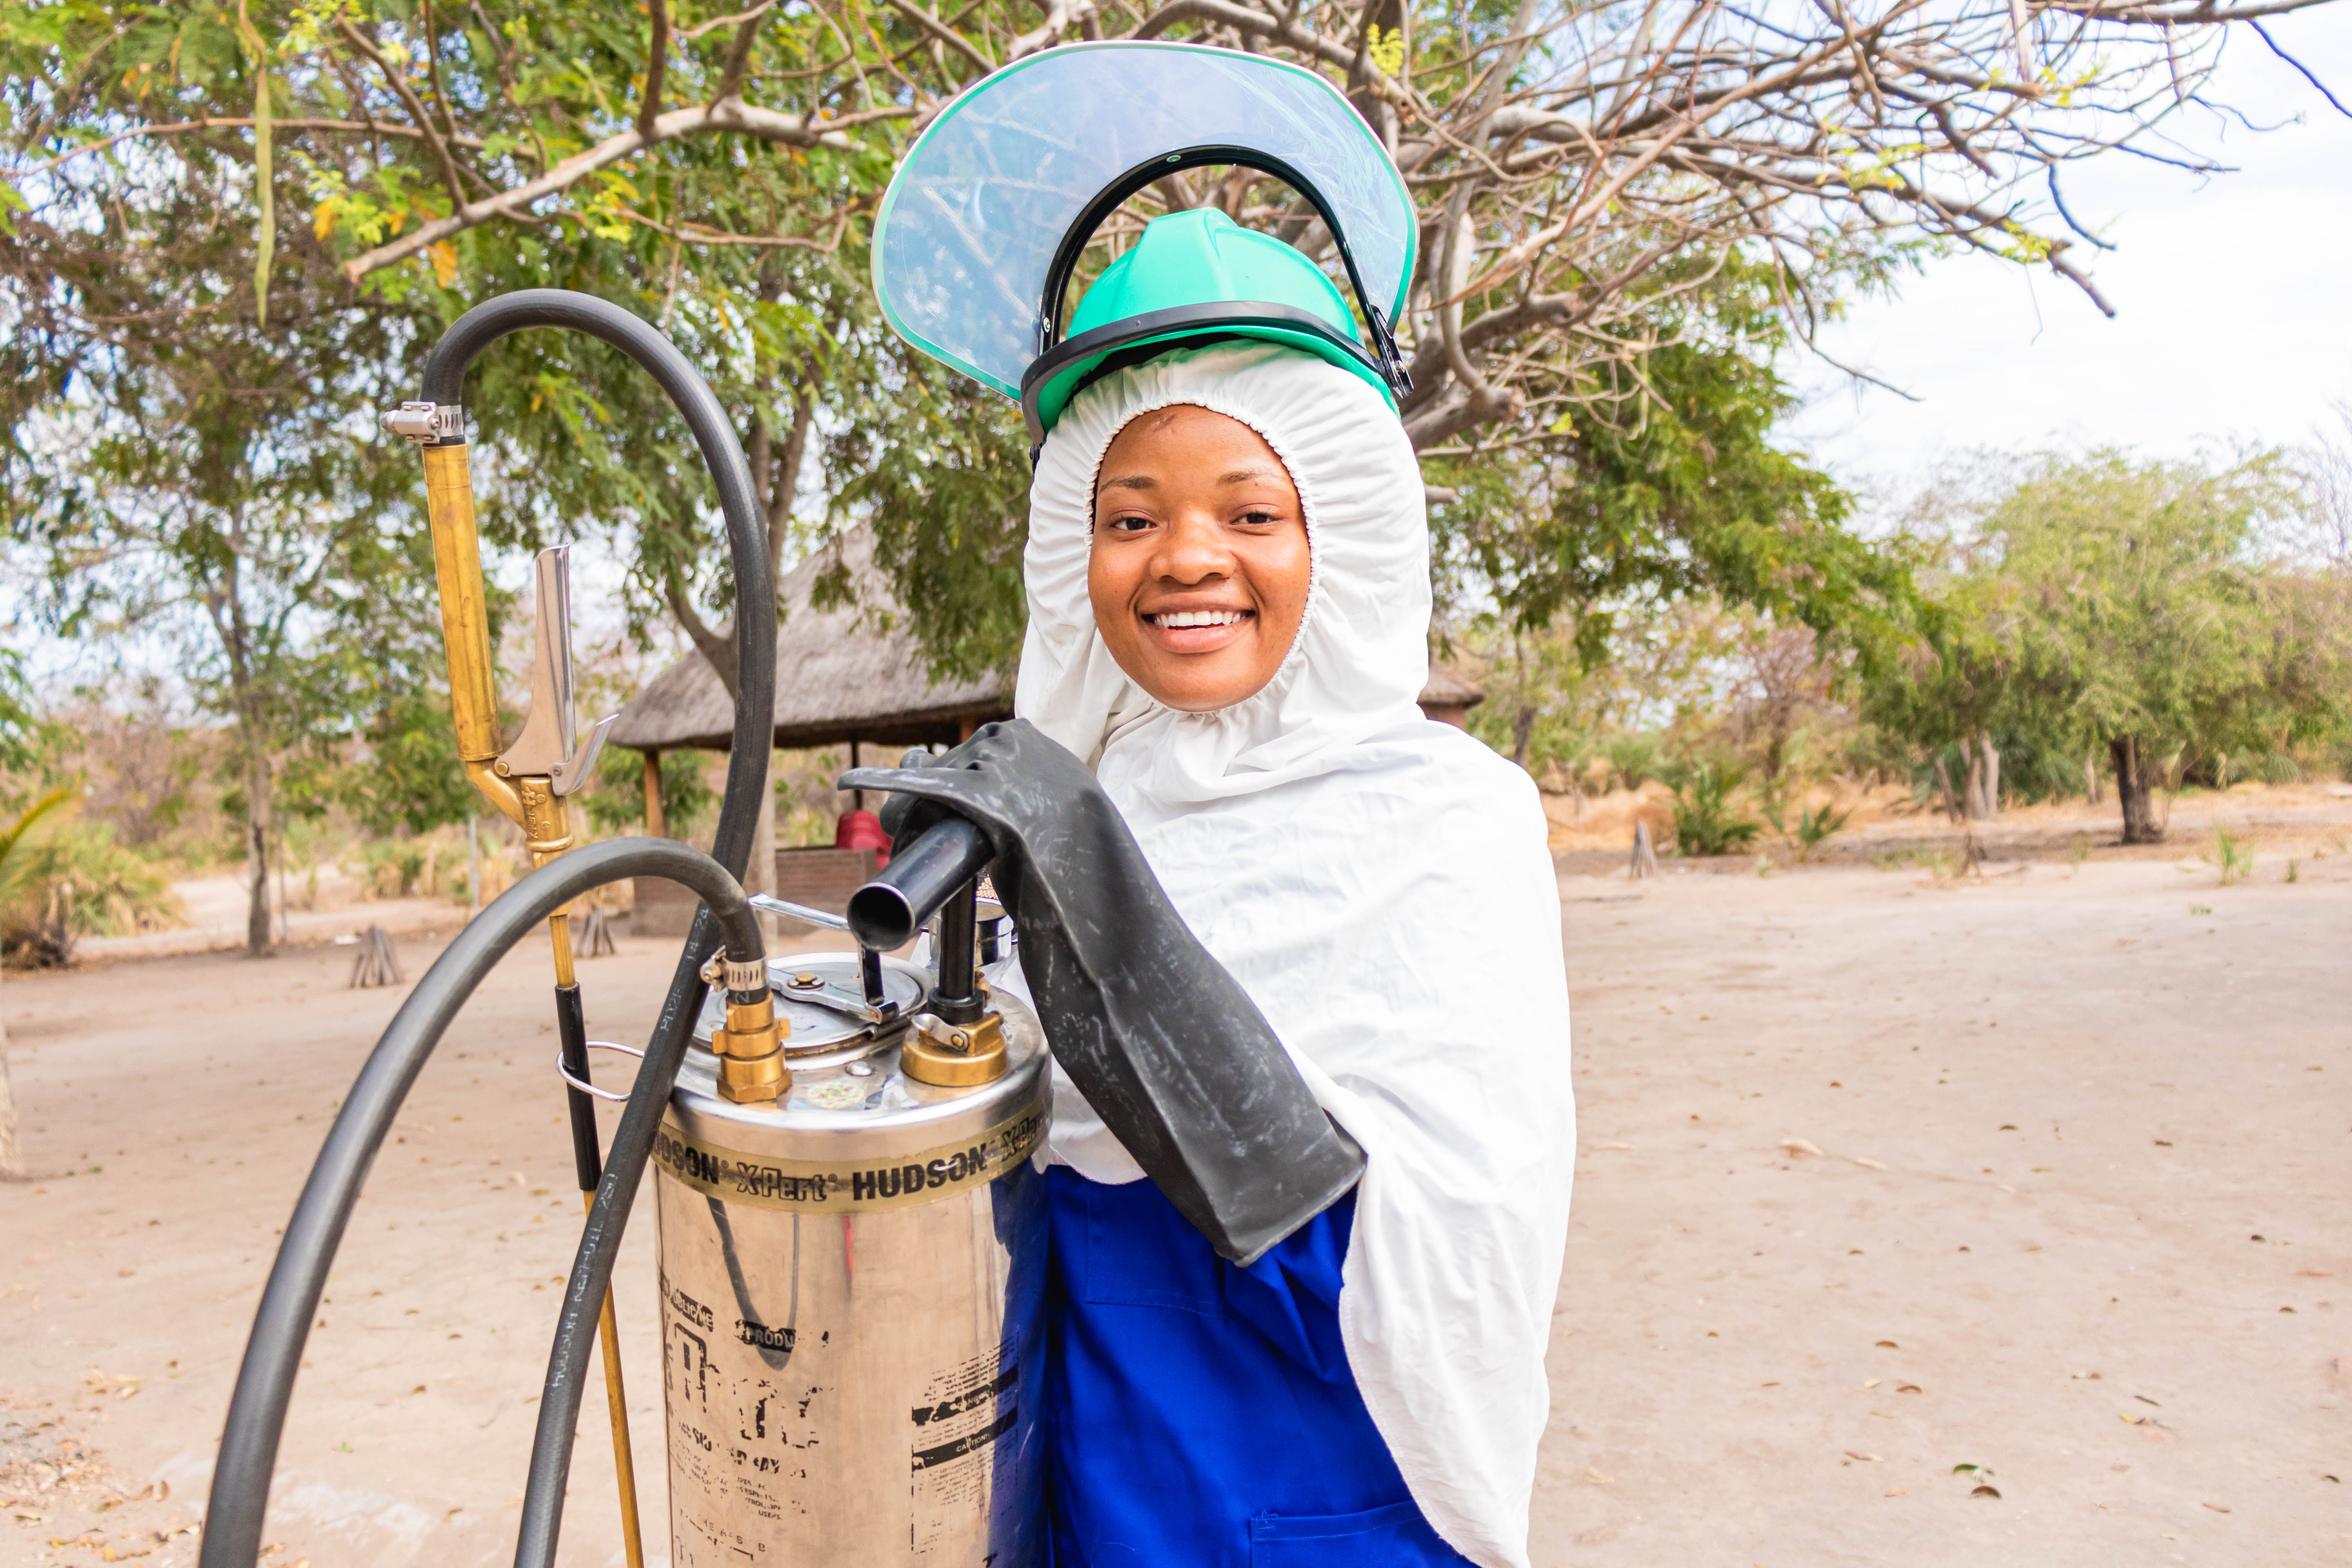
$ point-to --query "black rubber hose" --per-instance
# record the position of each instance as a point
(273, 1355)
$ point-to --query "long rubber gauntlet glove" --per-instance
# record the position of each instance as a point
(1167, 1047)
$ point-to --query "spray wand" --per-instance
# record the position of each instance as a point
(527, 783)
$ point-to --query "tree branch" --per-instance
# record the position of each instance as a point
(657, 61)
(738, 63)
(183, 127)
(730, 114)
(415, 107)
(943, 33)
(1258, 24)
(720, 652)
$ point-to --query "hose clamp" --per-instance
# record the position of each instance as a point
(426, 424)
(747, 978)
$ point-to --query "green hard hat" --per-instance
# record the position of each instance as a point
(1192, 276)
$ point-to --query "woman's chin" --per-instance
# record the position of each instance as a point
(1201, 691)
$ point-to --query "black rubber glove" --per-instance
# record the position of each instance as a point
(1166, 1045)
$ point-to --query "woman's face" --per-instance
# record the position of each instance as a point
(1199, 564)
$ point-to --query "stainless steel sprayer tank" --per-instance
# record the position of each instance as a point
(853, 1277)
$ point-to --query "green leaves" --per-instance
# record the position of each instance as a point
(2085, 599)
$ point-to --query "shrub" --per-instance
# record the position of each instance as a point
(2277, 768)
(1633, 757)
(1705, 822)
(1815, 828)
(73, 879)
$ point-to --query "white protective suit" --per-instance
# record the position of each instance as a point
(1380, 884)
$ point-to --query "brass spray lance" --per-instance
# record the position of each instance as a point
(529, 783)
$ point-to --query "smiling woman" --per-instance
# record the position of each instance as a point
(1199, 563)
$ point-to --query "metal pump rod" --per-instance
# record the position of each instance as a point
(956, 997)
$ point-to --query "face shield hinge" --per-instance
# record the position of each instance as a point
(1384, 344)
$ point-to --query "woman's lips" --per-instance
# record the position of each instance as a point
(1197, 630)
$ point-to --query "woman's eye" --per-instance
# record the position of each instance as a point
(1128, 524)
(1259, 519)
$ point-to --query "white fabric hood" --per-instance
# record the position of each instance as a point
(1380, 884)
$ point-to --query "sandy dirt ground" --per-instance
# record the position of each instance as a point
(2078, 1219)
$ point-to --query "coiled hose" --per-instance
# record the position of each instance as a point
(248, 1452)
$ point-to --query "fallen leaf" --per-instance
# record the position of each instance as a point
(1871, 1382)
(2164, 1142)
(1595, 1479)
(2314, 1274)
(1887, 1345)
(1994, 1492)
(2087, 1376)
(1613, 1146)
(1868, 1164)
(1866, 1458)
(1774, 1384)
(1900, 1491)
(2129, 1418)
(1799, 1149)
(2217, 1508)
(2144, 1399)
(1908, 1388)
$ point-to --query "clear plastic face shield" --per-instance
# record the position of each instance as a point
(982, 227)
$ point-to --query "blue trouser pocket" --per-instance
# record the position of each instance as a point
(1391, 1537)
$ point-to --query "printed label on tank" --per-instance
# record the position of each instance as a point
(964, 1411)
(848, 1186)
(739, 1439)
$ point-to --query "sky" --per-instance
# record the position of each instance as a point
(2233, 292)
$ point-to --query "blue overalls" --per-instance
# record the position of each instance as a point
(1205, 1415)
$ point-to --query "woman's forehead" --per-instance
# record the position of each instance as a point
(1186, 434)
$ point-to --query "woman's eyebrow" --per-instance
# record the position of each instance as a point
(1129, 482)
(1247, 476)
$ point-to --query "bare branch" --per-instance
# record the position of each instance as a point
(417, 113)
(730, 114)
(656, 63)
(942, 32)
(754, 15)
(183, 127)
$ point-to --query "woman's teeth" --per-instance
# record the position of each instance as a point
(1172, 619)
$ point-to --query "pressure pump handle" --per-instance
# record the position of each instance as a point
(887, 911)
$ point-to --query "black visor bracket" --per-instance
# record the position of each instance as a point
(1223, 317)
(1383, 358)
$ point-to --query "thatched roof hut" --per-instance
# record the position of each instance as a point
(851, 673)
(854, 674)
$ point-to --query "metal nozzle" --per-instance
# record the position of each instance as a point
(547, 747)
(887, 911)
(420, 423)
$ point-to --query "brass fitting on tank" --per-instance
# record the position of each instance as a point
(751, 1049)
(955, 1056)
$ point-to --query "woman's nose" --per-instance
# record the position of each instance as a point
(1192, 550)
